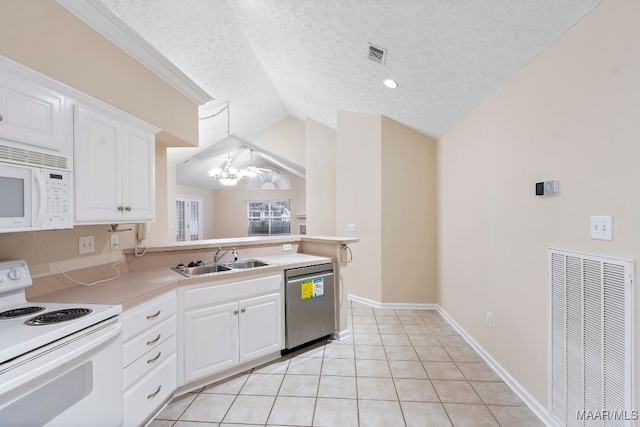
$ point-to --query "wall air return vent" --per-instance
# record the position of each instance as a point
(34, 158)
(590, 339)
(377, 54)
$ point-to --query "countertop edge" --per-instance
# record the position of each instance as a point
(157, 282)
(244, 241)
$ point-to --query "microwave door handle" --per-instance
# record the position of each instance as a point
(38, 180)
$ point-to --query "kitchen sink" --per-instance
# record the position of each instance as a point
(244, 264)
(201, 269)
(216, 267)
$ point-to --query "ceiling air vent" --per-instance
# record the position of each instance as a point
(377, 54)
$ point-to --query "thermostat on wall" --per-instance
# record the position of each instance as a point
(547, 188)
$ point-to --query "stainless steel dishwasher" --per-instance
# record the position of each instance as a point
(309, 304)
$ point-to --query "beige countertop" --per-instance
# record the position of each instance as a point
(247, 241)
(136, 287)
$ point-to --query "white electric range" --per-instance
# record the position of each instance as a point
(57, 361)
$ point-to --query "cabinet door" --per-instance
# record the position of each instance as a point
(97, 162)
(210, 340)
(138, 192)
(261, 326)
(32, 114)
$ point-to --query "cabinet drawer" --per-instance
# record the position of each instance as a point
(215, 294)
(147, 340)
(148, 315)
(144, 398)
(148, 361)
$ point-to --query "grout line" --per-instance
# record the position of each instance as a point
(354, 361)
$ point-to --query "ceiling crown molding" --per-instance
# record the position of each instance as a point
(99, 17)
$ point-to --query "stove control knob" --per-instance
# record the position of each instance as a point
(16, 274)
(1, 278)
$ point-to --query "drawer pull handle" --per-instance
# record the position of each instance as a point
(243, 310)
(154, 341)
(156, 392)
(1, 118)
(235, 311)
(154, 315)
(155, 358)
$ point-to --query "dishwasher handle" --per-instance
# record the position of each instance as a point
(309, 276)
(306, 272)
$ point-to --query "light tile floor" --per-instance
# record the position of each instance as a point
(400, 368)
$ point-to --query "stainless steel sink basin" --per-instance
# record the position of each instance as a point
(201, 269)
(217, 267)
(244, 264)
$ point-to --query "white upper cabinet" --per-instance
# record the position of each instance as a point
(34, 115)
(113, 169)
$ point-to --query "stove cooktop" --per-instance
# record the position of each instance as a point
(27, 326)
(19, 337)
(20, 312)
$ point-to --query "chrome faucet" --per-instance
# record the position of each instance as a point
(217, 257)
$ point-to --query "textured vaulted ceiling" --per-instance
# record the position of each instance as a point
(308, 58)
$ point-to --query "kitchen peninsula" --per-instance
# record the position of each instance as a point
(179, 332)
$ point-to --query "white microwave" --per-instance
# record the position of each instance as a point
(34, 198)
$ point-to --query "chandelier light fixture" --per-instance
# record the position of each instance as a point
(227, 175)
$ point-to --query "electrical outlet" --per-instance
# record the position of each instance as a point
(351, 227)
(114, 241)
(489, 321)
(86, 245)
(286, 247)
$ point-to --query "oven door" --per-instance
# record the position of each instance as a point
(16, 197)
(76, 381)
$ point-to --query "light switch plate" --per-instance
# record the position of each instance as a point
(351, 227)
(602, 227)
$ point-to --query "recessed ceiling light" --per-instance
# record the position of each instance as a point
(390, 83)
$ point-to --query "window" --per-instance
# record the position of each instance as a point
(269, 217)
(188, 218)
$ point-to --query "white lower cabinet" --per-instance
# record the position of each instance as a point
(211, 340)
(145, 397)
(260, 330)
(230, 324)
(149, 358)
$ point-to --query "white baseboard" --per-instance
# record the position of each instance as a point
(342, 335)
(539, 410)
(393, 306)
(535, 406)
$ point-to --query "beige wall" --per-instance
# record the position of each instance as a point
(231, 206)
(320, 178)
(358, 195)
(571, 114)
(387, 189)
(408, 215)
(45, 37)
(208, 208)
(284, 138)
(171, 204)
